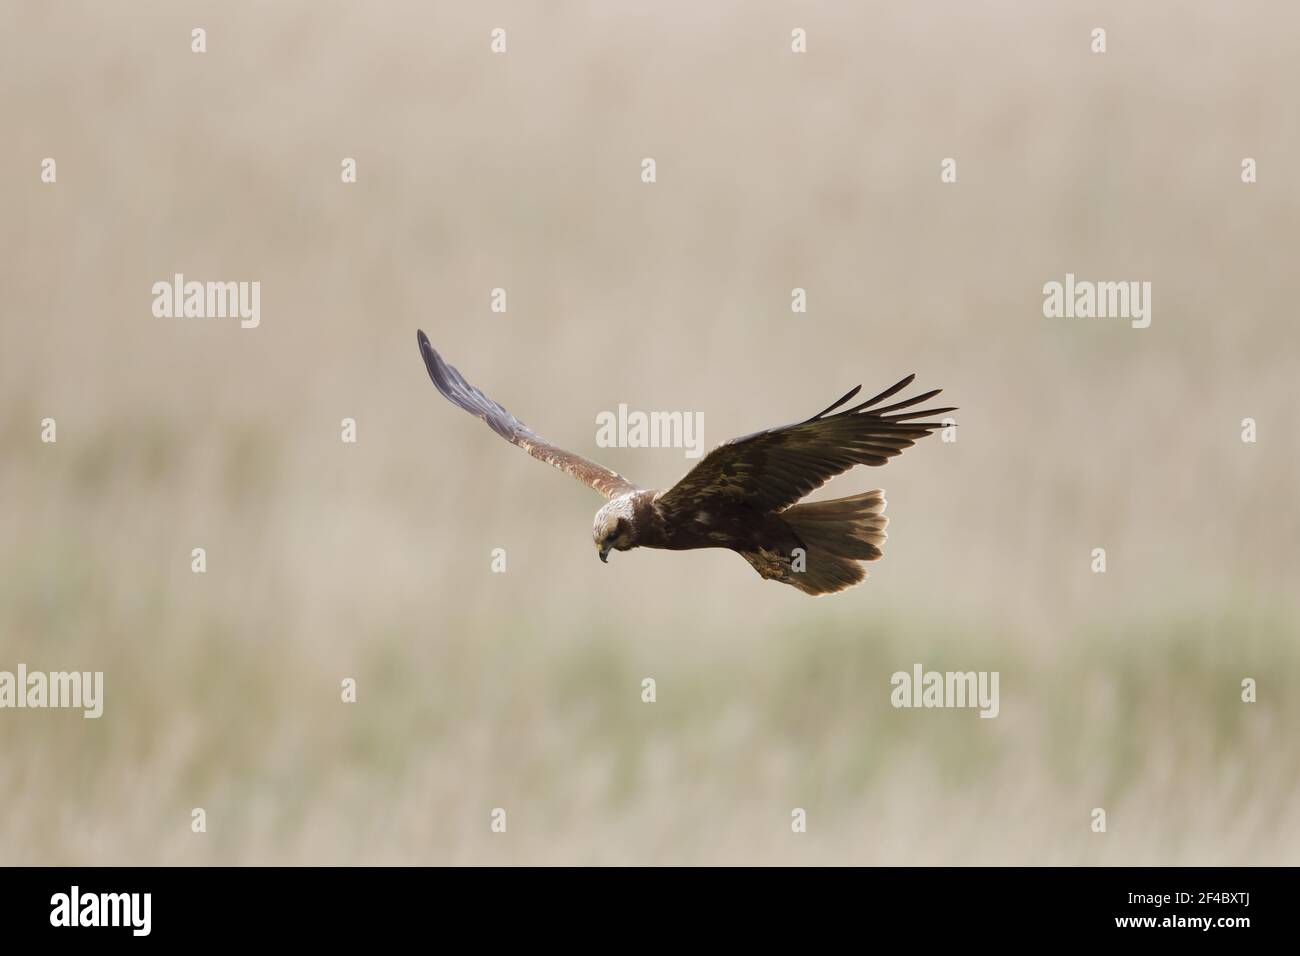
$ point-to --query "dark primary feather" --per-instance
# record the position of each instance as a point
(455, 389)
(771, 470)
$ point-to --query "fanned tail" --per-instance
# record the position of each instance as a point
(837, 536)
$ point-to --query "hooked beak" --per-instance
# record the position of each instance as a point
(604, 555)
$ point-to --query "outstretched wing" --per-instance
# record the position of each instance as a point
(771, 470)
(460, 392)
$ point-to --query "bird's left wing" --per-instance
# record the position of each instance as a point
(771, 470)
(460, 392)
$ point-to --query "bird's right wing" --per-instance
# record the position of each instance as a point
(771, 470)
(455, 389)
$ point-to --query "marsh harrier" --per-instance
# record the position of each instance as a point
(744, 494)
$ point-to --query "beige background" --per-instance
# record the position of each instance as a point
(522, 690)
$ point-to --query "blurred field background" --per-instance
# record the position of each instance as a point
(478, 690)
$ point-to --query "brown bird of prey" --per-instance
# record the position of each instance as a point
(744, 494)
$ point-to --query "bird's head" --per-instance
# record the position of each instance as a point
(613, 529)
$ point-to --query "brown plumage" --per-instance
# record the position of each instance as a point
(744, 494)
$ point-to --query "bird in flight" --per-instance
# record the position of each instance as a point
(744, 494)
